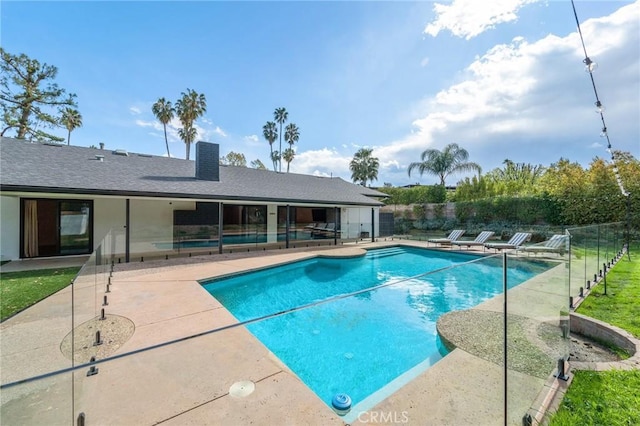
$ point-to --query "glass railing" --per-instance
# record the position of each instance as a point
(128, 344)
(594, 249)
(537, 329)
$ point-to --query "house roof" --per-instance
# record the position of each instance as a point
(40, 167)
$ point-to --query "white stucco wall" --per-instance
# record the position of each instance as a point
(150, 221)
(108, 215)
(9, 228)
(358, 219)
(272, 223)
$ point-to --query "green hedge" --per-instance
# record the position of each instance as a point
(422, 194)
(522, 210)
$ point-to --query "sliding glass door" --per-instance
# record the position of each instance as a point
(56, 227)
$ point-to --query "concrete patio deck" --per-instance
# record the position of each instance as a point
(190, 381)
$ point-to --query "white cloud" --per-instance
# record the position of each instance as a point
(252, 140)
(204, 127)
(172, 128)
(219, 131)
(525, 100)
(323, 162)
(135, 110)
(469, 18)
(424, 62)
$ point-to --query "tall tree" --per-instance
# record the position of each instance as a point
(450, 160)
(189, 108)
(280, 115)
(164, 112)
(29, 98)
(275, 158)
(270, 133)
(71, 119)
(291, 136)
(288, 155)
(236, 159)
(188, 135)
(257, 164)
(364, 167)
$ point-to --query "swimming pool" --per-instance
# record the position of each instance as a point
(369, 344)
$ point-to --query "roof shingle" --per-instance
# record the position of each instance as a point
(34, 166)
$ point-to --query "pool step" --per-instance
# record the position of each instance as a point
(380, 253)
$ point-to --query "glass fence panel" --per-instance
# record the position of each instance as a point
(416, 334)
(537, 325)
(351, 231)
(577, 266)
(84, 343)
(45, 401)
(379, 349)
(32, 342)
(593, 250)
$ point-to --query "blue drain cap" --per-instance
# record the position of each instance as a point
(341, 402)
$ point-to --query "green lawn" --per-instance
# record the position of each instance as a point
(608, 397)
(620, 305)
(605, 398)
(19, 290)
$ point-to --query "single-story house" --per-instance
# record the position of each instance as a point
(58, 200)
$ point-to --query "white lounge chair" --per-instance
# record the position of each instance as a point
(556, 244)
(453, 236)
(516, 241)
(479, 241)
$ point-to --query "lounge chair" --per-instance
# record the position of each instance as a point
(479, 241)
(453, 236)
(318, 229)
(330, 228)
(516, 241)
(556, 244)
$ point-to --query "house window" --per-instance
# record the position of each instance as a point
(52, 227)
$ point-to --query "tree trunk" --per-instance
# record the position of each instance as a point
(24, 122)
(280, 151)
(69, 138)
(165, 139)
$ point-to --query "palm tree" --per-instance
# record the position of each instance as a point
(275, 157)
(71, 119)
(442, 163)
(270, 133)
(288, 156)
(291, 136)
(188, 135)
(164, 112)
(191, 106)
(280, 115)
(364, 167)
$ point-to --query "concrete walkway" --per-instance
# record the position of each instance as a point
(225, 377)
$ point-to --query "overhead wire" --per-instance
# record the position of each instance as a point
(590, 67)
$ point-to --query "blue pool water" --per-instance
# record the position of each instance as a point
(359, 344)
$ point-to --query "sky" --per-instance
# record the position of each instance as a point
(504, 79)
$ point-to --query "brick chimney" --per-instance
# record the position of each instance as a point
(208, 161)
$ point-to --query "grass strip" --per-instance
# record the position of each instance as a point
(620, 305)
(19, 290)
(601, 398)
